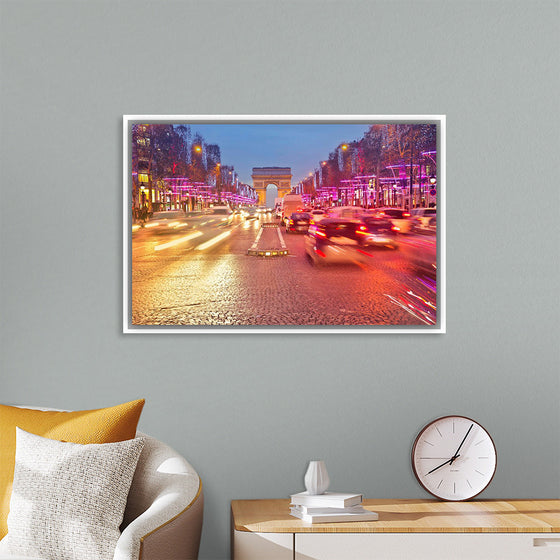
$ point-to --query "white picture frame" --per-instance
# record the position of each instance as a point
(439, 325)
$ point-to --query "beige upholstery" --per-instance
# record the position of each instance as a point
(163, 517)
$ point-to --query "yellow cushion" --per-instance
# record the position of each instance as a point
(104, 425)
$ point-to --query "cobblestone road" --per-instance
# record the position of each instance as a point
(222, 285)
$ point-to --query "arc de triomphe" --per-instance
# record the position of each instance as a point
(281, 177)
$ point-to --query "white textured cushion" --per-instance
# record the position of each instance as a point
(2, 557)
(68, 499)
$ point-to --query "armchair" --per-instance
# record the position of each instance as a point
(163, 516)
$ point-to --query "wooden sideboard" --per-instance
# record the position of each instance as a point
(406, 530)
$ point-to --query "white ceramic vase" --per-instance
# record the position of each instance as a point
(316, 478)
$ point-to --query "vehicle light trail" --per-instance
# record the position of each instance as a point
(405, 308)
(178, 241)
(213, 241)
(428, 303)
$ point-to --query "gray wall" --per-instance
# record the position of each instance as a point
(233, 404)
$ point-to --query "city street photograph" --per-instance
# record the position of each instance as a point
(284, 224)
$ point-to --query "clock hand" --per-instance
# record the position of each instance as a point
(460, 445)
(446, 462)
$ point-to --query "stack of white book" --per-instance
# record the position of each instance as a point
(330, 507)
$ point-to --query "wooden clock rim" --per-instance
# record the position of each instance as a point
(414, 449)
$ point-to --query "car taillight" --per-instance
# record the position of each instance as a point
(406, 215)
(361, 228)
(321, 233)
(395, 228)
(319, 252)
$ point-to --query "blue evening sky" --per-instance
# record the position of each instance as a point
(299, 146)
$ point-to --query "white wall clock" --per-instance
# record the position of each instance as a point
(454, 458)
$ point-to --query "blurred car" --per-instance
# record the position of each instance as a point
(298, 221)
(377, 232)
(223, 213)
(317, 214)
(427, 225)
(399, 217)
(351, 212)
(251, 214)
(168, 221)
(422, 216)
(243, 211)
(421, 251)
(333, 240)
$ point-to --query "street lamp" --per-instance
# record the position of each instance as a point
(432, 192)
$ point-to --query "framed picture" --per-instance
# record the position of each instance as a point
(284, 224)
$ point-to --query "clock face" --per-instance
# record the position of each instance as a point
(454, 458)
